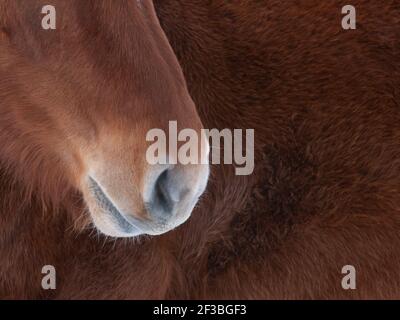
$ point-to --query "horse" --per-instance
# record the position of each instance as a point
(77, 103)
(324, 104)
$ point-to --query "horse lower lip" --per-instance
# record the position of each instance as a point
(109, 208)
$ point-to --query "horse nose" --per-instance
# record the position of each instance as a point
(167, 190)
(172, 192)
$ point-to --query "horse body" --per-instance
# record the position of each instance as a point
(325, 192)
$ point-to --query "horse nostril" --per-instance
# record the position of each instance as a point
(162, 193)
(165, 195)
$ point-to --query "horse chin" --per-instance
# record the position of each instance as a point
(110, 221)
(153, 211)
(110, 225)
(110, 228)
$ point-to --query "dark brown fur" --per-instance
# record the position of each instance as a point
(326, 190)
